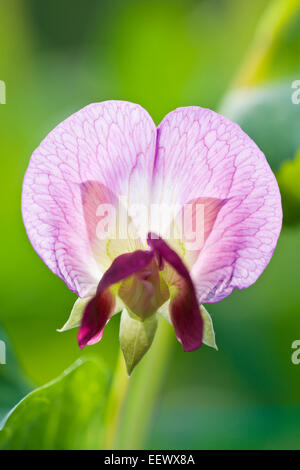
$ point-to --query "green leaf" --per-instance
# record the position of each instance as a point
(136, 337)
(269, 116)
(13, 383)
(67, 413)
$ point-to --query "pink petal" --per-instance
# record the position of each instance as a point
(194, 223)
(204, 155)
(112, 143)
(184, 308)
(104, 213)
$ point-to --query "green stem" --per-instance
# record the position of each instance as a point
(273, 22)
(145, 383)
(115, 404)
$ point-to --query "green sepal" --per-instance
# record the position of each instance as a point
(76, 314)
(136, 337)
(208, 331)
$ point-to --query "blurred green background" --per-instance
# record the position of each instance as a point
(60, 55)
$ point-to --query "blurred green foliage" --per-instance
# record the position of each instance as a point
(288, 179)
(161, 54)
(13, 383)
(269, 117)
(64, 414)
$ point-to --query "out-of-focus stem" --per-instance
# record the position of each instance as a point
(115, 404)
(144, 387)
(276, 17)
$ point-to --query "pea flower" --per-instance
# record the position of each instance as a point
(88, 203)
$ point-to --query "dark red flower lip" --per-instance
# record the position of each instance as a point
(96, 314)
(184, 308)
(101, 306)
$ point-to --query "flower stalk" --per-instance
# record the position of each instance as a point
(116, 399)
(144, 387)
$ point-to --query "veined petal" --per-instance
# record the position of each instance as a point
(111, 231)
(191, 227)
(184, 308)
(112, 143)
(201, 154)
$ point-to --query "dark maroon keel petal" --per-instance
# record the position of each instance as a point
(97, 313)
(184, 308)
(164, 252)
(124, 266)
(99, 310)
(187, 320)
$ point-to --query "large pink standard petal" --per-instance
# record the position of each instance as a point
(201, 154)
(111, 149)
(110, 143)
